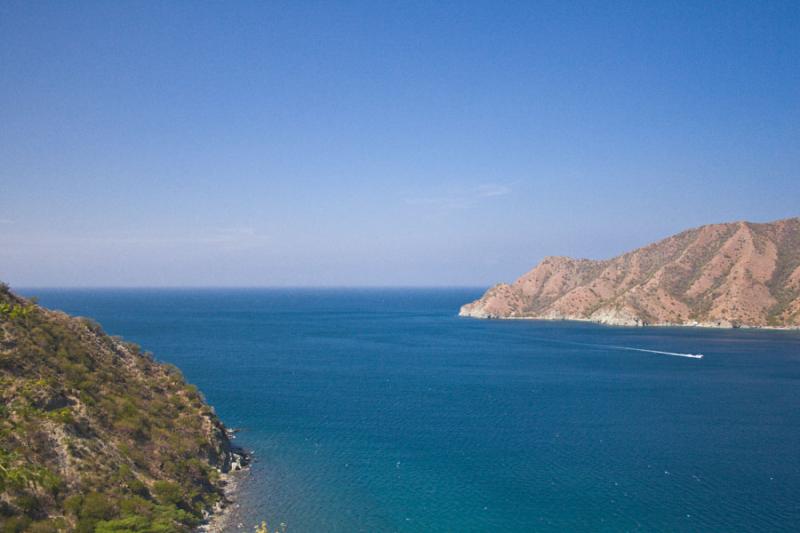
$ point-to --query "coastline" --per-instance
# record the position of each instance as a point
(634, 324)
(218, 518)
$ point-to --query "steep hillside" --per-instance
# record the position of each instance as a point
(97, 436)
(728, 275)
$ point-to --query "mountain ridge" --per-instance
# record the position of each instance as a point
(736, 274)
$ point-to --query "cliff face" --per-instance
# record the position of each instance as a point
(97, 436)
(728, 275)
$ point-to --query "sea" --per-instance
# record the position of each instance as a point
(381, 410)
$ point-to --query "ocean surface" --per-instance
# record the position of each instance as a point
(380, 410)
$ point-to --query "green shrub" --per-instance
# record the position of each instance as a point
(15, 524)
(96, 506)
(124, 525)
(168, 493)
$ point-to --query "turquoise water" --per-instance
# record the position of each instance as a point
(381, 410)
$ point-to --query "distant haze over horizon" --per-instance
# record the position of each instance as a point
(369, 144)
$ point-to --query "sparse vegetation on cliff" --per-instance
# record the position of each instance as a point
(95, 435)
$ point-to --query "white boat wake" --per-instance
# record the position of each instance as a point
(676, 354)
(628, 348)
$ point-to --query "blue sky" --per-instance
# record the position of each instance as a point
(376, 143)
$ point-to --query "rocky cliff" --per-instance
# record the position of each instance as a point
(95, 435)
(724, 275)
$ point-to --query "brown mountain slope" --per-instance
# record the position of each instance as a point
(728, 275)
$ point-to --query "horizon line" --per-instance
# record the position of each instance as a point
(236, 287)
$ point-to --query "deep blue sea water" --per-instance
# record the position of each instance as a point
(380, 410)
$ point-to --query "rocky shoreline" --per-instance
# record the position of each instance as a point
(217, 519)
(631, 323)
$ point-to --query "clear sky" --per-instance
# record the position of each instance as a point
(377, 143)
